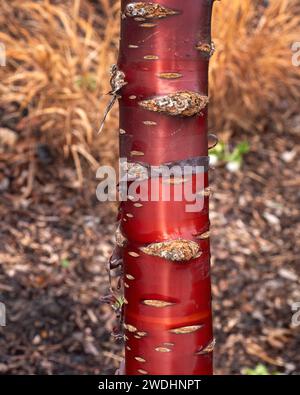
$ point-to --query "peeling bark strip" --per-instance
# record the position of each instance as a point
(143, 171)
(174, 250)
(135, 170)
(148, 10)
(121, 240)
(185, 103)
(164, 55)
(117, 81)
(115, 260)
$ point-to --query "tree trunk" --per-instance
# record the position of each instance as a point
(164, 55)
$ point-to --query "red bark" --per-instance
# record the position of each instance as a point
(160, 56)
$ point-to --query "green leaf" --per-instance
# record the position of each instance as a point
(237, 154)
(243, 147)
(259, 370)
(218, 150)
(65, 263)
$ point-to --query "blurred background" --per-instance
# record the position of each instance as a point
(55, 237)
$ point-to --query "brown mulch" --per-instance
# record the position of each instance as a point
(55, 239)
(256, 266)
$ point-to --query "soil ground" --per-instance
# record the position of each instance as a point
(55, 239)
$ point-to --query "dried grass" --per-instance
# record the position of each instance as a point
(59, 53)
(253, 81)
(58, 57)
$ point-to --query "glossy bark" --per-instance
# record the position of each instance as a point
(159, 56)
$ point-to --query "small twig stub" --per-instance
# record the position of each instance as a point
(206, 49)
(117, 81)
(174, 250)
(208, 349)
